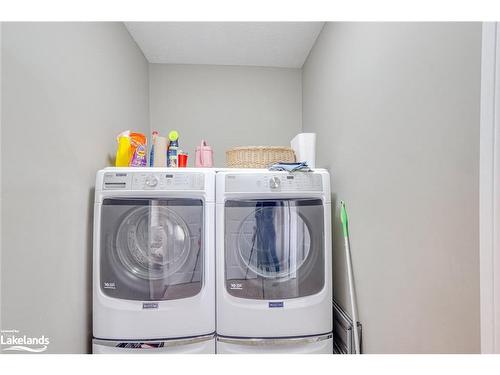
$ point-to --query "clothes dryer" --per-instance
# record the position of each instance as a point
(274, 263)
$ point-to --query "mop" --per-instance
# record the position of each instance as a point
(345, 229)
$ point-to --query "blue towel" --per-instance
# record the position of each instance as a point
(290, 167)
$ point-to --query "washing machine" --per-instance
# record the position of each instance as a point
(154, 261)
(274, 262)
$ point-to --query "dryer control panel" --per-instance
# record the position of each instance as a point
(273, 182)
(153, 181)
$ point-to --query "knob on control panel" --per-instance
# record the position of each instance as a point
(151, 181)
(274, 182)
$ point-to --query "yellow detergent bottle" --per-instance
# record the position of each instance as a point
(123, 153)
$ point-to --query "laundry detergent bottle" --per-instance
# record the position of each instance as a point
(124, 150)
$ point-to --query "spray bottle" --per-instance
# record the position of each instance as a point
(173, 146)
(152, 151)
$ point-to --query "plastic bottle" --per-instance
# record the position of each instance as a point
(139, 144)
(124, 151)
(152, 152)
(173, 146)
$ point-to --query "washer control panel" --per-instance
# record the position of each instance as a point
(274, 182)
(153, 181)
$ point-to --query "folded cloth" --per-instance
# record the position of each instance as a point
(290, 167)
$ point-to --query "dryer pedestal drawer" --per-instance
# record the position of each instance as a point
(322, 344)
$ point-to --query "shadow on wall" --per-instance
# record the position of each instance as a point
(88, 266)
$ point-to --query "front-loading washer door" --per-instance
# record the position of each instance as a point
(151, 249)
(274, 249)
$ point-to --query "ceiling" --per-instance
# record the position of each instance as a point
(277, 44)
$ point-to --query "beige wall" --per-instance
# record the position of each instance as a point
(396, 108)
(226, 105)
(67, 90)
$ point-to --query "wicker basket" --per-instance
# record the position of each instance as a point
(258, 156)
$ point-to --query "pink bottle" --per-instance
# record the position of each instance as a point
(204, 156)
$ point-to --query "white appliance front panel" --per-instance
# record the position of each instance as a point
(151, 181)
(125, 319)
(303, 316)
(276, 182)
(262, 183)
(310, 345)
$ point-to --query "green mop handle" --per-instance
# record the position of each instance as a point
(345, 229)
(344, 219)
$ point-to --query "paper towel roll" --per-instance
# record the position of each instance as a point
(160, 153)
(304, 146)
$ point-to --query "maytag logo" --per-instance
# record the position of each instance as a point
(150, 305)
(11, 340)
(273, 305)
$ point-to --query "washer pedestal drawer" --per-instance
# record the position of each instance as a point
(192, 345)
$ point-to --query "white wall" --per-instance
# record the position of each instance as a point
(396, 108)
(226, 105)
(1, 26)
(67, 90)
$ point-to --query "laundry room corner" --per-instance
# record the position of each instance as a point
(183, 187)
(233, 105)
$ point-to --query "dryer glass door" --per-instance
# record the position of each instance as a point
(151, 249)
(274, 249)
